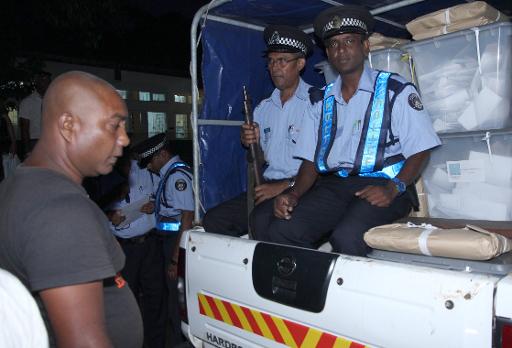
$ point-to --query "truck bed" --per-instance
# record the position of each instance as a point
(244, 293)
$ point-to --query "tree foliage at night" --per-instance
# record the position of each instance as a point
(113, 32)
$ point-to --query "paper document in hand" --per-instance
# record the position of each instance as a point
(132, 212)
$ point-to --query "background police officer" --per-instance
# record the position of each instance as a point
(144, 266)
(374, 139)
(174, 209)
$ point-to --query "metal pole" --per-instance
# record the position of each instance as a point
(394, 6)
(236, 23)
(234, 123)
(193, 75)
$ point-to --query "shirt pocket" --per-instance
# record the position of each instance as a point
(293, 133)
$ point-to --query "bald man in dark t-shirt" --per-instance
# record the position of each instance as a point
(54, 238)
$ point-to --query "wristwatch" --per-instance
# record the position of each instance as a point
(291, 182)
(400, 185)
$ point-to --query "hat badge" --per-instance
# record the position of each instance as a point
(336, 22)
(274, 39)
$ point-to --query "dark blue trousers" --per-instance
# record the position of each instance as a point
(330, 210)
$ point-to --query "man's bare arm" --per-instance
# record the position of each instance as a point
(187, 217)
(77, 315)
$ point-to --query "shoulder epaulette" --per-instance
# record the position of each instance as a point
(315, 95)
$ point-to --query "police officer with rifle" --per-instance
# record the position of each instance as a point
(274, 132)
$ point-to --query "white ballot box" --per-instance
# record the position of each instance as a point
(465, 78)
(470, 176)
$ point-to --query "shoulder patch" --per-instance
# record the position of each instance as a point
(180, 185)
(415, 102)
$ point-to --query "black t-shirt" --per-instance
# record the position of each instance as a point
(53, 235)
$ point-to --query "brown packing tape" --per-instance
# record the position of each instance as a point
(464, 243)
(379, 41)
(453, 19)
(453, 28)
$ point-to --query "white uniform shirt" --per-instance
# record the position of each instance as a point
(141, 187)
(178, 192)
(30, 109)
(280, 127)
(410, 124)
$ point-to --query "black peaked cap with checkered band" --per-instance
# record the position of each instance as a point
(145, 150)
(285, 38)
(343, 19)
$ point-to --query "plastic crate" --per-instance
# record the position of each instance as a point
(392, 60)
(470, 176)
(389, 59)
(465, 77)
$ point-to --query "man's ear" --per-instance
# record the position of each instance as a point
(301, 63)
(67, 124)
(366, 47)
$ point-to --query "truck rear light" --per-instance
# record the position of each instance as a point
(506, 336)
(503, 337)
(182, 294)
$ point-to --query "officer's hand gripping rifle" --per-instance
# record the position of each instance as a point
(253, 148)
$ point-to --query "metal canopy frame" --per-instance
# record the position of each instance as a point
(202, 15)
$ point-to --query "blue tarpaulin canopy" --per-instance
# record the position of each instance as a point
(232, 57)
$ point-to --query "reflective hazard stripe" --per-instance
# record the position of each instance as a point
(274, 328)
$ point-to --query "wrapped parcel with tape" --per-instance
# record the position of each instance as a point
(454, 18)
(470, 243)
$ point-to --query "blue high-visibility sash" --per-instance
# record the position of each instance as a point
(327, 130)
(369, 159)
(166, 226)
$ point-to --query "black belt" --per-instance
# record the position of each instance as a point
(134, 240)
(109, 282)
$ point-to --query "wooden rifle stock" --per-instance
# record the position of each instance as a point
(253, 148)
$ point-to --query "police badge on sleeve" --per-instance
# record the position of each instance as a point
(181, 185)
(415, 102)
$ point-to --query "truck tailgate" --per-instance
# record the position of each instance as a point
(367, 303)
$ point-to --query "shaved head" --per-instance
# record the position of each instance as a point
(73, 92)
(83, 126)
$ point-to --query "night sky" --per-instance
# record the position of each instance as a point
(131, 34)
(128, 33)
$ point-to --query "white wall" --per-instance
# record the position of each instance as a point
(133, 82)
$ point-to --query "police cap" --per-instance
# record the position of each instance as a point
(285, 38)
(145, 150)
(343, 19)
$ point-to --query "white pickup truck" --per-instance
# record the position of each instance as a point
(243, 293)
(238, 293)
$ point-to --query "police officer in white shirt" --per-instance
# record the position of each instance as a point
(144, 266)
(277, 125)
(367, 134)
(174, 208)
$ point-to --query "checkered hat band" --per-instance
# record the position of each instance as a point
(152, 150)
(286, 41)
(345, 22)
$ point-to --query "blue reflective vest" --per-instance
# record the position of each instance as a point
(369, 159)
(166, 223)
